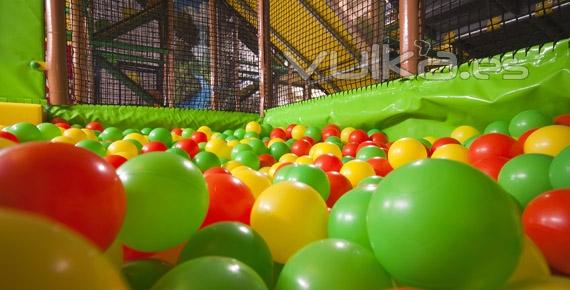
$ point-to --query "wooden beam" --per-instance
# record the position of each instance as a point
(409, 27)
(56, 53)
(265, 86)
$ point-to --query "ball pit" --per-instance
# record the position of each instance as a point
(296, 207)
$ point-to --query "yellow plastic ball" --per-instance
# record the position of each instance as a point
(325, 148)
(304, 160)
(5, 143)
(288, 157)
(75, 134)
(547, 283)
(127, 155)
(274, 140)
(430, 139)
(232, 164)
(298, 132)
(137, 137)
(257, 182)
(265, 171)
(289, 215)
(463, 133)
(219, 147)
(253, 127)
(123, 146)
(217, 135)
(89, 134)
(176, 137)
(245, 140)
(532, 264)
(549, 140)
(345, 133)
(206, 130)
(63, 139)
(356, 170)
(274, 168)
(452, 152)
(233, 143)
(404, 151)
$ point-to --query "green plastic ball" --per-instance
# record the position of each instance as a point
(250, 135)
(559, 172)
(307, 174)
(187, 133)
(290, 142)
(373, 181)
(443, 224)
(278, 149)
(129, 131)
(314, 133)
(334, 140)
(240, 133)
(206, 160)
(146, 131)
(92, 146)
(348, 216)
(470, 141)
(202, 146)
(347, 158)
(527, 120)
(111, 134)
(258, 146)
(228, 132)
(501, 127)
(49, 131)
(25, 132)
(368, 152)
(248, 158)
(161, 135)
(265, 130)
(143, 274)
(179, 152)
(136, 143)
(168, 201)
(240, 148)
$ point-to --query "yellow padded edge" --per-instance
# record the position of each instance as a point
(11, 113)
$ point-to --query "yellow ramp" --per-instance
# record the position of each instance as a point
(11, 113)
(298, 32)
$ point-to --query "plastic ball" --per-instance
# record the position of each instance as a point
(501, 127)
(277, 149)
(348, 217)
(219, 147)
(230, 199)
(454, 152)
(258, 146)
(129, 131)
(491, 166)
(199, 137)
(249, 135)
(532, 264)
(146, 130)
(526, 176)
(339, 186)
(563, 119)
(345, 134)
(206, 130)
(549, 140)
(289, 215)
(325, 148)
(527, 120)
(206, 160)
(546, 221)
(354, 267)
(462, 133)
(64, 126)
(379, 138)
(231, 240)
(442, 141)
(90, 134)
(179, 152)
(115, 160)
(248, 158)
(40, 254)
(93, 146)
(275, 140)
(5, 143)
(253, 127)
(475, 247)
(356, 170)
(278, 133)
(138, 137)
(314, 133)
(370, 181)
(301, 147)
(328, 162)
(256, 182)
(288, 158)
(368, 152)
(25, 132)
(298, 132)
(123, 146)
(153, 146)
(160, 135)
(75, 134)
(494, 145)
(380, 165)
(94, 126)
(209, 273)
(357, 137)
(168, 201)
(48, 131)
(111, 134)
(404, 151)
(307, 174)
(304, 160)
(559, 173)
(189, 146)
(349, 149)
(75, 187)
(266, 160)
(143, 274)
(547, 283)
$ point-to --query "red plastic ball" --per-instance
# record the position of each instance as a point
(332, 127)
(189, 146)
(133, 255)
(349, 149)
(562, 120)
(546, 221)
(63, 125)
(326, 133)
(381, 165)
(524, 136)
(289, 130)
(492, 145)
(379, 138)
(442, 141)
(9, 136)
(328, 162)
(153, 146)
(69, 184)
(491, 166)
(266, 160)
(58, 120)
(308, 139)
(278, 133)
(230, 200)
(357, 137)
(199, 137)
(115, 160)
(216, 170)
(176, 131)
(94, 126)
(301, 147)
(339, 186)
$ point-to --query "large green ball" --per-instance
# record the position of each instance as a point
(111, 134)
(161, 135)
(232, 240)
(167, 201)
(249, 159)
(278, 149)
(560, 170)
(368, 152)
(143, 274)
(348, 216)
(206, 160)
(333, 265)
(501, 127)
(240, 148)
(25, 132)
(49, 131)
(527, 120)
(307, 174)
(211, 273)
(441, 224)
(526, 176)
(92, 146)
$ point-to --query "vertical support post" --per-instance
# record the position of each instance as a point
(409, 18)
(376, 51)
(56, 54)
(213, 42)
(81, 65)
(169, 89)
(265, 86)
(306, 91)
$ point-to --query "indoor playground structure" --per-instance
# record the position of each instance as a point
(285, 145)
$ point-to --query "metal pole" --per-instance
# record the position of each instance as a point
(409, 18)
(213, 42)
(56, 54)
(265, 86)
(170, 62)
